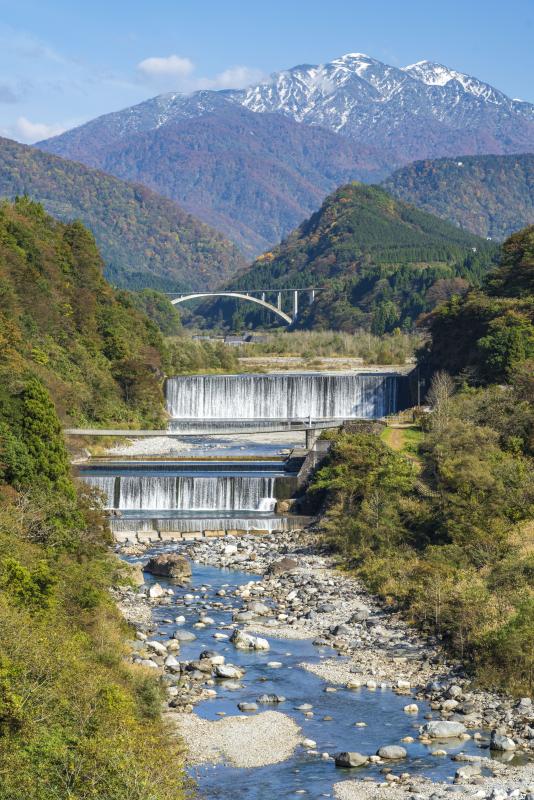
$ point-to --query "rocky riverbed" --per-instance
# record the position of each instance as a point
(300, 596)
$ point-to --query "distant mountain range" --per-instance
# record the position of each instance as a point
(254, 162)
(492, 196)
(380, 263)
(252, 176)
(145, 239)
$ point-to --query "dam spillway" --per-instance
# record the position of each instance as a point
(222, 486)
(284, 396)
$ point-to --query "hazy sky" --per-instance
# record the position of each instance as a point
(66, 61)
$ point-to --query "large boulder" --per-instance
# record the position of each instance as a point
(280, 567)
(169, 565)
(244, 641)
(228, 671)
(350, 760)
(443, 729)
(501, 742)
(391, 751)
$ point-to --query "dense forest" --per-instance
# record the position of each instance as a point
(75, 720)
(438, 517)
(145, 240)
(380, 263)
(487, 195)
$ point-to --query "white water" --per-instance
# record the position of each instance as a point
(282, 396)
(194, 524)
(181, 493)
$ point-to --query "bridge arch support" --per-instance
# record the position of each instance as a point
(240, 296)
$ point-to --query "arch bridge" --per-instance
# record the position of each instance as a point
(258, 296)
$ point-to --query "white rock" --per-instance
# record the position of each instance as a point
(157, 647)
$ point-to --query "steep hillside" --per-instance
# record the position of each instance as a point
(61, 322)
(489, 333)
(252, 176)
(381, 262)
(75, 719)
(491, 196)
(145, 240)
(439, 518)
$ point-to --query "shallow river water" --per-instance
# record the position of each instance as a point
(381, 710)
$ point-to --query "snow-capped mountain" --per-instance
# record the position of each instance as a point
(367, 100)
(255, 161)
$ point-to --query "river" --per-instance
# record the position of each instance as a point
(197, 492)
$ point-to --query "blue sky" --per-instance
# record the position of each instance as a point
(66, 61)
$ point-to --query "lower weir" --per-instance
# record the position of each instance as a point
(180, 493)
(191, 496)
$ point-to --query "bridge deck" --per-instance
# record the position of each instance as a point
(214, 428)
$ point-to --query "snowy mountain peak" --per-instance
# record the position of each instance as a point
(431, 73)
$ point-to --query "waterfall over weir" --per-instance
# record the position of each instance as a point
(185, 493)
(283, 396)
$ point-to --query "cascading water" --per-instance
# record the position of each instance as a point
(282, 396)
(186, 493)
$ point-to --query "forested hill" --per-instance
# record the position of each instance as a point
(383, 262)
(146, 240)
(487, 195)
(75, 719)
(440, 521)
(62, 323)
(489, 334)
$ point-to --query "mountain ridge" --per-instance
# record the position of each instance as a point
(491, 196)
(146, 239)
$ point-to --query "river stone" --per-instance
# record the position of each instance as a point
(284, 565)
(349, 760)
(156, 591)
(442, 729)
(247, 706)
(157, 647)
(184, 636)
(244, 641)
(256, 607)
(392, 751)
(228, 671)
(325, 608)
(270, 698)
(169, 565)
(467, 772)
(501, 742)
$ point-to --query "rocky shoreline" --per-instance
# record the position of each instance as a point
(302, 595)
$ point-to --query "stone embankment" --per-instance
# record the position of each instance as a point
(302, 595)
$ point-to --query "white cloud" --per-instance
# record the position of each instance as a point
(26, 131)
(233, 78)
(168, 67)
(178, 73)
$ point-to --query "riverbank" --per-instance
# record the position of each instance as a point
(302, 596)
